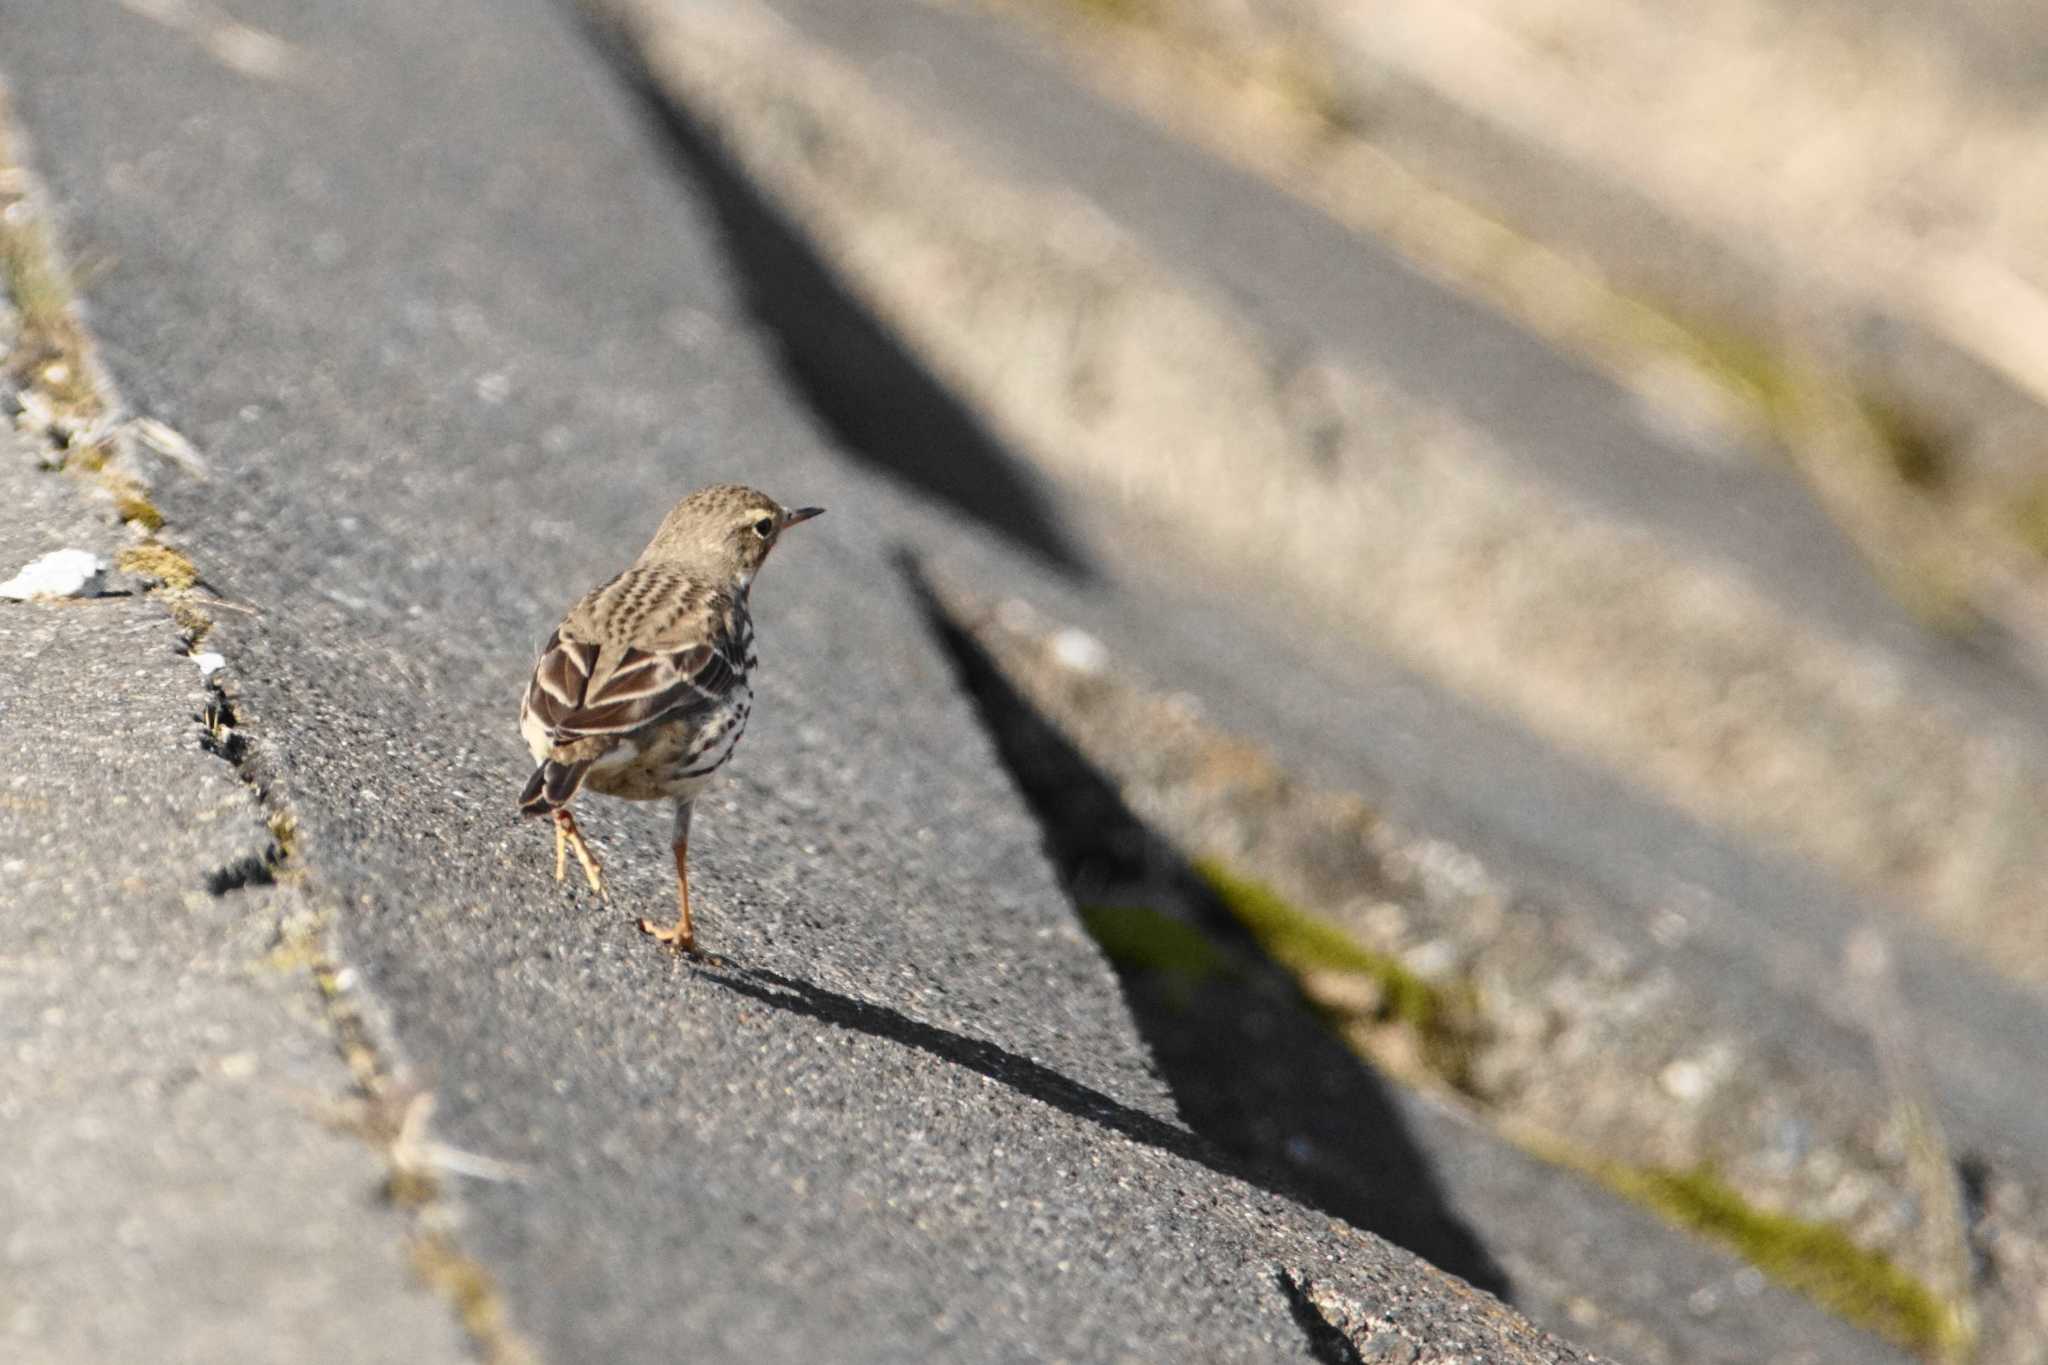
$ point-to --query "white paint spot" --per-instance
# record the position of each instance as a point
(60, 573)
(1080, 651)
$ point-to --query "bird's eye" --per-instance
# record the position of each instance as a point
(765, 527)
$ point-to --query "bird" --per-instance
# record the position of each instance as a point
(643, 690)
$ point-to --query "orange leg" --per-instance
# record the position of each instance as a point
(570, 839)
(679, 934)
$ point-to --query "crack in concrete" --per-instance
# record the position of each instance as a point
(69, 403)
(1326, 1342)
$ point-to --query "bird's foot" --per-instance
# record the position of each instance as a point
(677, 935)
(679, 938)
(569, 839)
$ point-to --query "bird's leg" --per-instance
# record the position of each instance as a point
(678, 934)
(568, 837)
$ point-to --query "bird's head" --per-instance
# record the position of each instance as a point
(724, 532)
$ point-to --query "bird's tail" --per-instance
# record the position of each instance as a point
(551, 786)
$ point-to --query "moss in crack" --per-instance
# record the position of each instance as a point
(1816, 1259)
(2030, 518)
(48, 350)
(284, 833)
(467, 1285)
(92, 457)
(174, 576)
(1442, 1019)
(135, 508)
(193, 624)
(391, 1117)
(160, 564)
(1140, 937)
(1116, 11)
(1779, 381)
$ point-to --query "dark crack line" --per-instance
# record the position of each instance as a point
(220, 734)
(1326, 1342)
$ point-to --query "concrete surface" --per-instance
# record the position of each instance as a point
(168, 1188)
(1766, 931)
(1764, 925)
(452, 341)
(454, 334)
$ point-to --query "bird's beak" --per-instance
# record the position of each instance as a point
(790, 519)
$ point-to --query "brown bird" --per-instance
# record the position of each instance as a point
(645, 687)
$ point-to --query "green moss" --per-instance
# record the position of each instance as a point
(1777, 382)
(89, 459)
(2030, 518)
(470, 1289)
(1761, 374)
(1116, 11)
(1442, 1019)
(1815, 1259)
(138, 509)
(1137, 936)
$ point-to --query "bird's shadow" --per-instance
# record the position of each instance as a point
(1326, 1342)
(1269, 1094)
(978, 1055)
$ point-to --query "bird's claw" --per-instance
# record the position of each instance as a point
(681, 943)
(674, 935)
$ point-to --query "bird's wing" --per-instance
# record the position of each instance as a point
(647, 646)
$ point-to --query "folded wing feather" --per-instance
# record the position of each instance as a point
(582, 691)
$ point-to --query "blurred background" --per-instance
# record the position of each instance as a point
(1654, 391)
